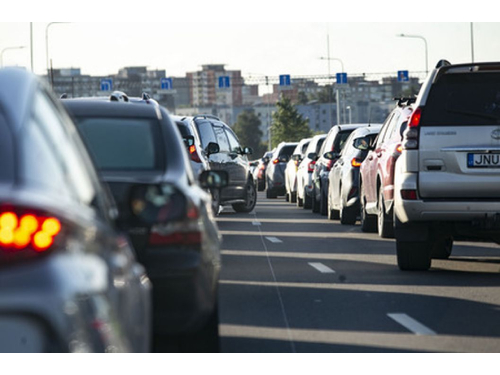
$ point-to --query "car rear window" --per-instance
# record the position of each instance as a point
(122, 143)
(340, 140)
(183, 129)
(287, 150)
(206, 133)
(463, 99)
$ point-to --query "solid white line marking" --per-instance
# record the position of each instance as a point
(411, 324)
(321, 267)
(274, 239)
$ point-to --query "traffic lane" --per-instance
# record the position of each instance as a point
(352, 301)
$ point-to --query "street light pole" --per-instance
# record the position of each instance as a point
(6, 49)
(47, 42)
(472, 41)
(337, 90)
(425, 42)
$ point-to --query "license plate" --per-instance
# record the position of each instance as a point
(483, 160)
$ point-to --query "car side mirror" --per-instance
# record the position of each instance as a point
(212, 179)
(266, 160)
(362, 144)
(312, 156)
(247, 151)
(188, 140)
(212, 148)
(331, 155)
(284, 159)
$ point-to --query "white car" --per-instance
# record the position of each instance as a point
(291, 170)
(305, 170)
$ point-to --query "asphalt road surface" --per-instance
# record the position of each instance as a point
(293, 281)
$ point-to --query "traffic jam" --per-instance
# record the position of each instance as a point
(127, 228)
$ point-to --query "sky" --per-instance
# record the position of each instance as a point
(180, 40)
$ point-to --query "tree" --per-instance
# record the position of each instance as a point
(247, 128)
(288, 125)
(302, 98)
(327, 95)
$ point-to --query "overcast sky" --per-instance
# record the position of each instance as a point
(183, 42)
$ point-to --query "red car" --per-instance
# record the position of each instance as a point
(377, 172)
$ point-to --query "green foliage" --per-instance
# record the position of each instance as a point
(288, 125)
(247, 128)
(327, 95)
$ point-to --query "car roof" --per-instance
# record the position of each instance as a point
(87, 106)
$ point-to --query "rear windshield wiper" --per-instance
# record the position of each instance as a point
(474, 114)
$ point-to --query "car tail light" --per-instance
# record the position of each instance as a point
(310, 166)
(276, 161)
(356, 163)
(409, 195)
(296, 162)
(329, 165)
(193, 153)
(415, 118)
(173, 217)
(26, 232)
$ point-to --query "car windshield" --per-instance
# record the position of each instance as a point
(464, 99)
(121, 143)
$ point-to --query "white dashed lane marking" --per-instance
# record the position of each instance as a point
(321, 267)
(274, 239)
(411, 324)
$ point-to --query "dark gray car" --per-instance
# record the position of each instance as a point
(275, 171)
(69, 281)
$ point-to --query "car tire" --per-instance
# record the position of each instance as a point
(250, 199)
(347, 215)
(385, 225)
(368, 222)
(442, 248)
(205, 340)
(307, 201)
(314, 202)
(293, 197)
(323, 202)
(413, 256)
(287, 197)
(331, 213)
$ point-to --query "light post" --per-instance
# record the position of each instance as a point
(47, 42)
(337, 90)
(6, 49)
(425, 41)
(349, 109)
(472, 41)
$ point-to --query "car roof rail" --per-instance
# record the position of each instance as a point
(404, 101)
(118, 96)
(442, 63)
(146, 96)
(64, 96)
(206, 117)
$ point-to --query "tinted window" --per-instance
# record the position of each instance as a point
(206, 133)
(320, 143)
(221, 139)
(183, 129)
(122, 143)
(6, 152)
(233, 142)
(340, 140)
(463, 99)
(287, 151)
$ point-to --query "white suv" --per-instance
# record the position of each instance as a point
(447, 180)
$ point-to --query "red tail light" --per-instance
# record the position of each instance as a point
(415, 118)
(194, 154)
(410, 195)
(329, 165)
(310, 166)
(399, 148)
(24, 233)
(356, 163)
(276, 161)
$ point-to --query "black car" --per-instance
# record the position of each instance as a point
(141, 156)
(69, 281)
(232, 158)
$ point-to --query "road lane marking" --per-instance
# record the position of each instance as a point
(274, 239)
(321, 267)
(411, 324)
(256, 223)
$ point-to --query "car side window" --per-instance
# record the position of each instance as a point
(233, 142)
(206, 132)
(78, 180)
(392, 126)
(221, 138)
(381, 135)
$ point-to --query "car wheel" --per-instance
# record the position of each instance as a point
(323, 202)
(293, 197)
(348, 215)
(332, 214)
(261, 185)
(287, 197)
(307, 201)
(250, 199)
(413, 256)
(442, 247)
(368, 222)
(205, 340)
(314, 202)
(270, 194)
(385, 225)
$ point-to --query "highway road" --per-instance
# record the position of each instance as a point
(293, 281)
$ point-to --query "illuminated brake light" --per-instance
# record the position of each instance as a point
(21, 232)
(356, 163)
(276, 161)
(415, 118)
(193, 154)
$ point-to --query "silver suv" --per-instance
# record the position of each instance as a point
(447, 177)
